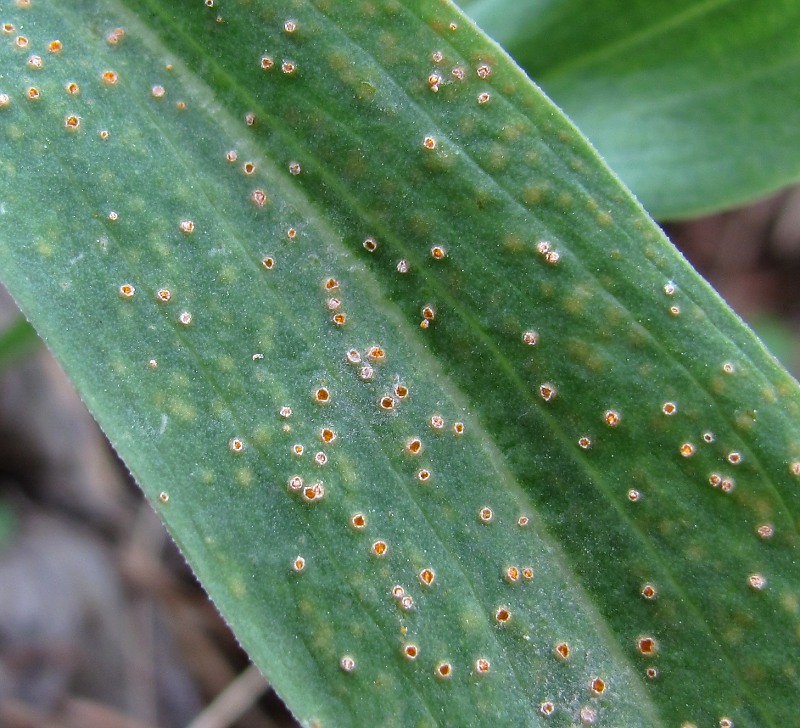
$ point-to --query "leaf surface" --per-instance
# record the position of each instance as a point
(184, 227)
(693, 103)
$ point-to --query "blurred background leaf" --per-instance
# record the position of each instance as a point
(693, 103)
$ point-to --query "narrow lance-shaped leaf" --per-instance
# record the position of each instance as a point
(694, 104)
(449, 432)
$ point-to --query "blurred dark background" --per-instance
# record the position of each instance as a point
(102, 625)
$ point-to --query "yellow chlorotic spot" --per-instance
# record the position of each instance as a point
(379, 548)
(669, 408)
(410, 652)
(299, 564)
(322, 395)
(370, 245)
(429, 143)
(687, 449)
(347, 663)
(164, 295)
(562, 651)
(163, 497)
(126, 290)
(502, 615)
(444, 670)
(547, 391)
(427, 576)
(598, 686)
(612, 418)
(185, 318)
(482, 666)
(486, 514)
(115, 36)
(236, 445)
(359, 521)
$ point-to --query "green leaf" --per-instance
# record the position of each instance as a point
(16, 341)
(512, 308)
(694, 103)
